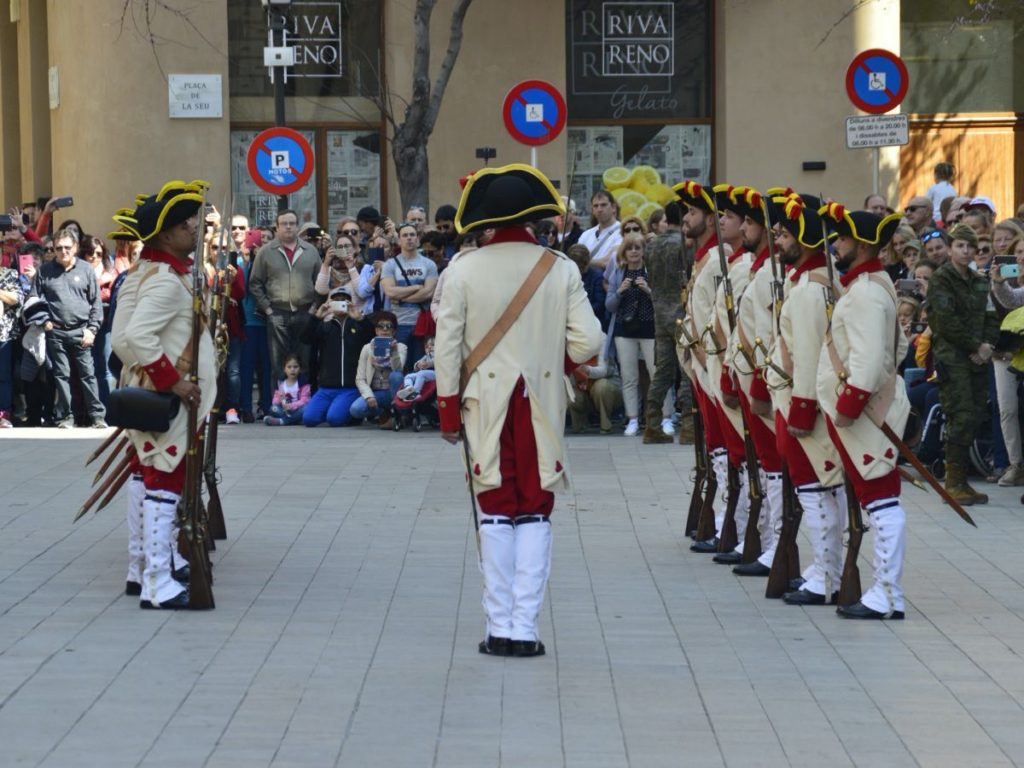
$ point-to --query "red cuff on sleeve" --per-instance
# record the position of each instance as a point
(852, 401)
(162, 373)
(727, 384)
(759, 389)
(802, 413)
(449, 413)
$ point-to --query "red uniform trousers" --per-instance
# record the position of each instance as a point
(520, 492)
(885, 487)
(764, 441)
(713, 437)
(801, 471)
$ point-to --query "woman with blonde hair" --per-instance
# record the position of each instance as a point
(894, 254)
(632, 309)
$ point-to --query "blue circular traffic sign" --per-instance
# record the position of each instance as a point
(534, 112)
(876, 81)
(280, 160)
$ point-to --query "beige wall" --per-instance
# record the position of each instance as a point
(502, 46)
(10, 143)
(111, 135)
(781, 96)
(33, 100)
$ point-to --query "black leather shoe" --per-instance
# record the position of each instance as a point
(728, 558)
(182, 575)
(176, 603)
(495, 646)
(755, 568)
(132, 588)
(803, 597)
(795, 584)
(527, 648)
(860, 611)
(707, 547)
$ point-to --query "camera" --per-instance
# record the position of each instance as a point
(339, 306)
(6, 222)
(918, 327)
(313, 234)
(907, 286)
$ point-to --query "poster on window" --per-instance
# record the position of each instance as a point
(353, 173)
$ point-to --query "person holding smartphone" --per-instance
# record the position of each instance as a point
(379, 375)
(1009, 295)
(11, 299)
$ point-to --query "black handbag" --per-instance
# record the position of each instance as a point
(142, 409)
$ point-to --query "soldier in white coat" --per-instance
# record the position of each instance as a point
(151, 335)
(511, 405)
(812, 459)
(859, 389)
(698, 321)
(731, 210)
(755, 332)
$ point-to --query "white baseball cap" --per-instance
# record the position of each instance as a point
(981, 202)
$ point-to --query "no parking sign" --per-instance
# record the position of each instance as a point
(876, 81)
(280, 160)
(534, 112)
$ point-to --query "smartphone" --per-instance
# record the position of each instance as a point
(375, 254)
(1009, 270)
(64, 202)
(1005, 260)
(382, 346)
(918, 327)
(340, 306)
(907, 285)
(6, 222)
(25, 260)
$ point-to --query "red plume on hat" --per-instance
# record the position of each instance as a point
(464, 180)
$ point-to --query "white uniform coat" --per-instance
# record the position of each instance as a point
(756, 318)
(739, 275)
(153, 327)
(700, 307)
(870, 344)
(558, 321)
(803, 324)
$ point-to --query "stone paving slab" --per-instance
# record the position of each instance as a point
(348, 612)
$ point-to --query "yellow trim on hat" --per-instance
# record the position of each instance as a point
(556, 209)
(795, 202)
(692, 190)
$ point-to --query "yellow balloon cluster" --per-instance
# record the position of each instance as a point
(638, 191)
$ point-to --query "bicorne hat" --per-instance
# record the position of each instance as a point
(177, 201)
(863, 226)
(800, 220)
(510, 194)
(695, 195)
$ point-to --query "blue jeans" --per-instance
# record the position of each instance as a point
(1000, 458)
(232, 369)
(101, 348)
(403, 334)
(361, 409)
(330, 404)
(288, 417)
(254, 359)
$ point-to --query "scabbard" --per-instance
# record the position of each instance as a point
(110, 460)
(104, 445)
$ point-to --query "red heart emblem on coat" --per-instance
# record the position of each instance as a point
(868, 458)
(476, 469)
(173, 450)
(889, 454)
(829, 466)
(558, 466)
(147, 446)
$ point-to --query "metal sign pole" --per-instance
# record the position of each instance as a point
(875, 169)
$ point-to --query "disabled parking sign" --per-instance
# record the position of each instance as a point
(876, 81)
(534, 112)
(280, 160)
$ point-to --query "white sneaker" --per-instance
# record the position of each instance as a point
(632, 428)
(668, 427)
(231, 417)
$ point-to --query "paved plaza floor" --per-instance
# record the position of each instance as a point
(348, 615)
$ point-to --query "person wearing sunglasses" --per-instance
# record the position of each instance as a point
(342, 266)
(379, 374)
(936, 246)
(918, 214)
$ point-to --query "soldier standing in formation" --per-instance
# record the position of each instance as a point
(152, 337)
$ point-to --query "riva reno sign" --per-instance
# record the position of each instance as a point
(315, 30)
(637, 59)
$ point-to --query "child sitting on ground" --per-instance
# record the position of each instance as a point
(291, 396)
(423, 371)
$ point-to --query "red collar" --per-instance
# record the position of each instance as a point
(736, 254)
(512, 235)
(875, 265)
(162, 257)
(815, 261)
(703, 250)
(759, 261)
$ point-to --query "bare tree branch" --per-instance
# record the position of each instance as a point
(448, 64)
(852, 10)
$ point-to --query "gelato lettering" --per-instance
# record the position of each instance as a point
(625, 103)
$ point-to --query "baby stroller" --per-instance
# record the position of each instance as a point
(422, 410)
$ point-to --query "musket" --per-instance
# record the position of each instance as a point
(752, 538)
(219, 300)
(190, 513)
(701, 474)
(706, 518)
(120, 469)
(830, 292)
(568, 196)
(115, 486)
(104, 445)
(778, 296)
(472, 493)
(786, 563)
(928, 476)
(110, 459)
(849, 586)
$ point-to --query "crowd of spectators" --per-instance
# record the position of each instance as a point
(335, 326)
